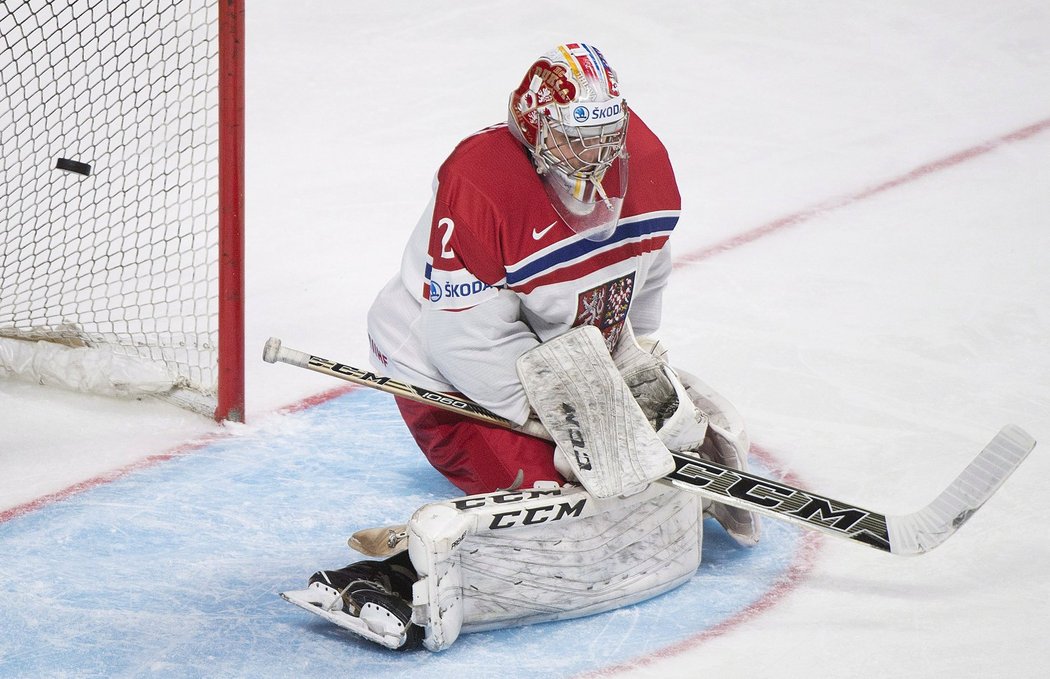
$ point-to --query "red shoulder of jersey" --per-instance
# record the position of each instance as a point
(651, 184)
(492, 215)
(481, 188)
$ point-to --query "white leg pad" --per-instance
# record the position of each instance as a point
(599, 429)
(517, 558)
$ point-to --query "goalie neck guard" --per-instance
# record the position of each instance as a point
(569, 114)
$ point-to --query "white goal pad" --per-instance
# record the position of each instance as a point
(99, 370)
(522, 557)
(602, 435)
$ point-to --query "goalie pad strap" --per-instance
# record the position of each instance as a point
(601, 433)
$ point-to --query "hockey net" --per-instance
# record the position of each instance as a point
(121, 129)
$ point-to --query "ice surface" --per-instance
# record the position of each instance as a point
(179, 563)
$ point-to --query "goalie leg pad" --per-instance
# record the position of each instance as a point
(517, 558)
(602, 435)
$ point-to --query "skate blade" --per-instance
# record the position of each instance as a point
(325, 605)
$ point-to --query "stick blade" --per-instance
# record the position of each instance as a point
(921, 531)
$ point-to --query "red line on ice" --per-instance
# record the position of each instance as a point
(152, 460)
(806, 214)
(107, 477)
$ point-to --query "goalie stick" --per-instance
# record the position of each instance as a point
(907, 534)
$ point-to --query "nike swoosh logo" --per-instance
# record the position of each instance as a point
(536, 235)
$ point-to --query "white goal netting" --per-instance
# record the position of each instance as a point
(108, 193)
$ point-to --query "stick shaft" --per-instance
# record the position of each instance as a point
(276, 353)
(909, 534)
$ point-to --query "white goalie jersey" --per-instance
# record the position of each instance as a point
(491, 270)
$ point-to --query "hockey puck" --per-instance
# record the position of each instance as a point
(73, 166)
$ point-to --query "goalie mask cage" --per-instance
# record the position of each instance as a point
(121, 125)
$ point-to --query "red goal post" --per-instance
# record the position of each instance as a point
(122, 201)
(230, 388)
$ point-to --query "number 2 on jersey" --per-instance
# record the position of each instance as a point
(446, 250)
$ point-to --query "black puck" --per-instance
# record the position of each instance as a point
(73, 166)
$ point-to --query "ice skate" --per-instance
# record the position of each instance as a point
(369, 598)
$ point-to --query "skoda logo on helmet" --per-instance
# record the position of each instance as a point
(581, 114)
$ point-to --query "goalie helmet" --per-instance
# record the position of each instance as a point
(570, 115)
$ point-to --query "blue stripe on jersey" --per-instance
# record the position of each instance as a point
(581, 247)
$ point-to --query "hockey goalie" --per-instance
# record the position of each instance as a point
(532, 285)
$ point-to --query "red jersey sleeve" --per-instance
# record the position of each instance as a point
(464, 263)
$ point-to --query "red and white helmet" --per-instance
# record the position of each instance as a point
(569, 113)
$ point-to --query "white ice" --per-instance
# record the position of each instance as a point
(874, 344)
